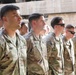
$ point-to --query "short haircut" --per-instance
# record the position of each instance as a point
(69, 26)
(55, 21)
(6, 9)
(34, 16)
(22, 24)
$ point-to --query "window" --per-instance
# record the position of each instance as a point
(7, 1)
(32, 0)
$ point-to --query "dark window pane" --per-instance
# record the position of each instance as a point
(8, 1)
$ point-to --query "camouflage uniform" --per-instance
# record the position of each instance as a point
(36, 55)
(74, 43)
(55, 54)
(12, 56)
(68, 56)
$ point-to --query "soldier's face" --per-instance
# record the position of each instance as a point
(40, 23)
(70, 32)
(24, 29)
(61, 26)
(12, 19)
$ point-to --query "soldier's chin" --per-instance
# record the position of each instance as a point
(18, 27)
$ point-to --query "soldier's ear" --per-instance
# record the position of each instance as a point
(4, 19)
(34, 23)
(66, 31)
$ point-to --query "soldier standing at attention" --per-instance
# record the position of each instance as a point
(37, 63)
(12, 46)
(74, 43)
(23, 30)
(69, 48)
(60, 62)
(55, 47)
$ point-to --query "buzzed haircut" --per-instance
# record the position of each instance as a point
(34, 16)
(55, 21)
(5, 9)
(69, 26)
(22, 24)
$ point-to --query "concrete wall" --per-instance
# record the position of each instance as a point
(47, 6)
(64, 8)
(69, 18)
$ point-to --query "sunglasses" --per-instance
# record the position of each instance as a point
(61, 24)
(72, 32)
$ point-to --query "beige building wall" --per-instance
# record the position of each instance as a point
(69, 18)
(63, 8)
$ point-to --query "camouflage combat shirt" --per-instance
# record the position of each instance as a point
(55, 54)
(69, 59)
(37, 63)
(12, 56)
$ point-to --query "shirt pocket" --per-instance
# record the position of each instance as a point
(11, 52)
